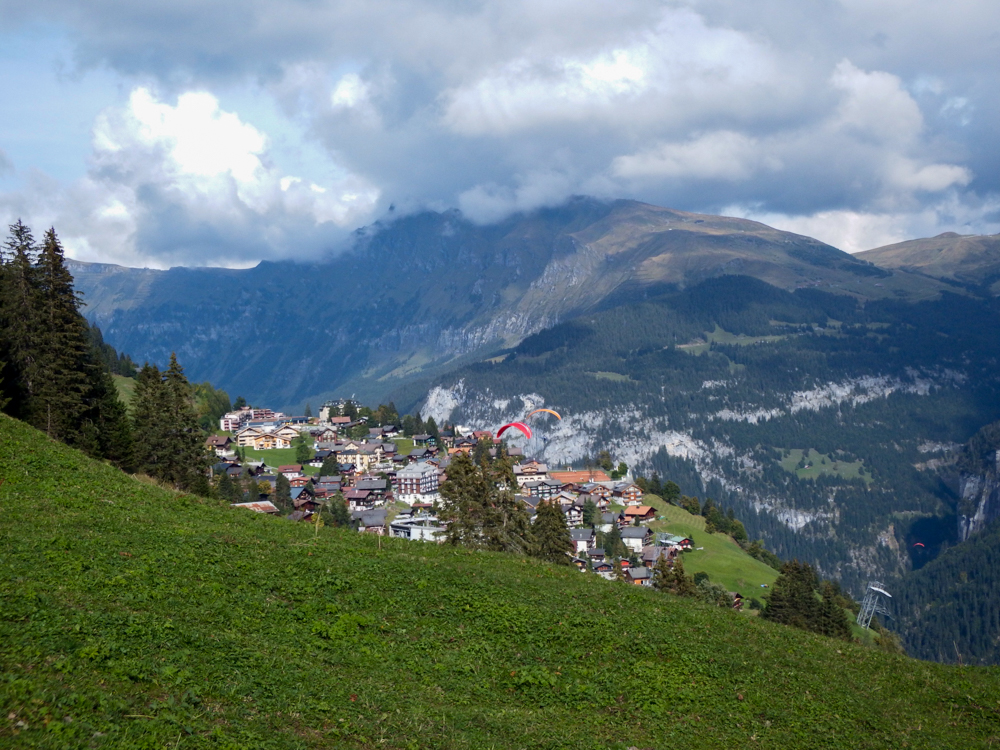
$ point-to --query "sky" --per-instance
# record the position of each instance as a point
(190, 132)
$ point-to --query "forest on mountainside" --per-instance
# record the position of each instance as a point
(759, 372)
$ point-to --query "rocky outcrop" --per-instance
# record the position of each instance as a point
(979, 503)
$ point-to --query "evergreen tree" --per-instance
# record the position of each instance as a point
(303, 453)
(683, 584)
(339, 514)
(62, 390)
(613, 544)
(591, 513)
(432, 429)
(282, 492)
(308, 412)
(172, 446)
(149, 416)
(239, 403)
(663, 574)
(330, 467)
(225, 488)
(19, 328)
(796, 600)
(552, 538)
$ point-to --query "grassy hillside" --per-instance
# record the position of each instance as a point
(134, 617)
(719, 556)
(126, 389)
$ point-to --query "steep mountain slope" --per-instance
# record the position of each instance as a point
(813, 415)
(416, 295)
(949, 609)
(135, 617)
(967, 260)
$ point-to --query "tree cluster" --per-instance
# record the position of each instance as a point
(482, 512)
(54, 373)
(172, 446)
(798, 598)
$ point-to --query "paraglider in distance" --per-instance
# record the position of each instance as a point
(553, 413)
(518, 425)
(919, 544)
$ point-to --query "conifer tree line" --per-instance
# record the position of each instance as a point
(481, 511)
(56, 373)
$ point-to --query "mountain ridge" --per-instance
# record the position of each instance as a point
(416, 295)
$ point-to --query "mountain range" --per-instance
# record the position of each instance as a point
(416, 296)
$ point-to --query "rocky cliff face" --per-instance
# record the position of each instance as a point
(979, 500)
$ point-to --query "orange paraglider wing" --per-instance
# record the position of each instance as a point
(517, 425)
(553, 413)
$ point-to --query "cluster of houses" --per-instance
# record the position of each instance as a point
(395, 494)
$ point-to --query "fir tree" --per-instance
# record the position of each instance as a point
(663, 574)
(64, 356)
(303, 453)
(330, 467)
(339, 514)
(282, 492)
(683, 584)
(591, 513)
(19, 329)
(552, 538)
(308, 412)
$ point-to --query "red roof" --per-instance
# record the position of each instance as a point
(579, 477)
(289, 468)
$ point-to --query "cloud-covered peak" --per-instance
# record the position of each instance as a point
(269, 131)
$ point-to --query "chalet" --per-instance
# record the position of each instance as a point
(245, 436)
(574, 516)
(579, 562)
(220, 444)
(530, 471)
(377, 487)
(480, 435)
(639, 575)
(287, 432)
(359, 499)
(597, 554)
(419, 454)
(298, 481)
(583, 539)
(291, 471)
(604, 568)
(545, 489)
(234, 471)
(596, 491)
(637, 537)
(640, 512)
(319, 457)
(305, 501)
(323, 434)
(371, 521)
(259, 506)
(651, 555)
(627, 493)
(299, 515)
(421, 440)
(607, 521)
(265, 441)
(681, 543)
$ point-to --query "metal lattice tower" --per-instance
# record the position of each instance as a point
(875, 603)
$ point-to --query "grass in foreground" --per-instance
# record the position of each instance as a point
(134, 617)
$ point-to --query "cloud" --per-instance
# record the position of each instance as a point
(191, 183)
(875, 117)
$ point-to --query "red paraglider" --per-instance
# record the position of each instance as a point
(919, 544)
(518, 425)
